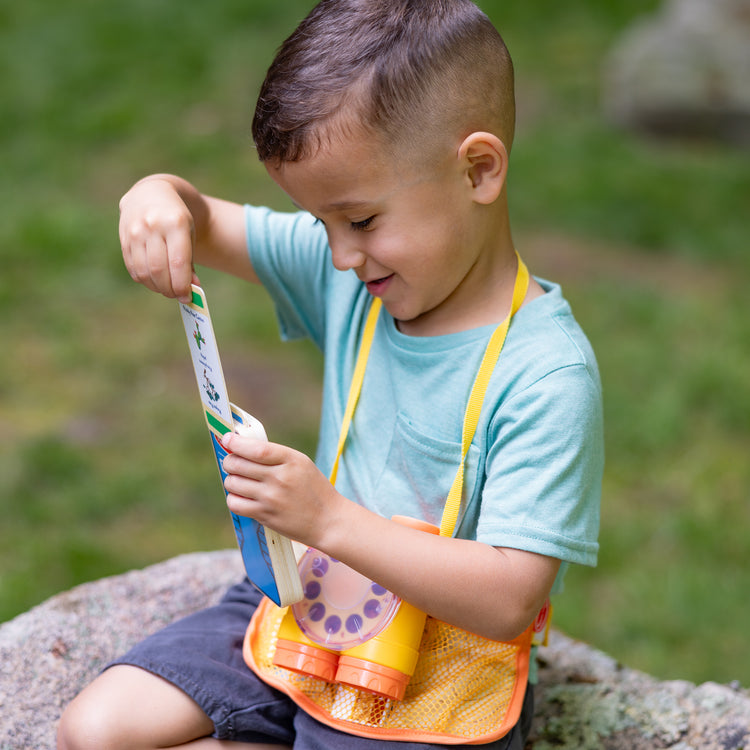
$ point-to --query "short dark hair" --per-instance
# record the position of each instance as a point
(400, 69)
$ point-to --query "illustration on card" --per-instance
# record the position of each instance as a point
(198, 336)
(210, 388)
(206, 363)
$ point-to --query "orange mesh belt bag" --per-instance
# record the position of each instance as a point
(464, 689)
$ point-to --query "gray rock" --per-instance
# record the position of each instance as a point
(684, 71)
(49, 653)
(585, 699)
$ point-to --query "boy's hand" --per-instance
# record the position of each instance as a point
(279, 487)
(157, 234)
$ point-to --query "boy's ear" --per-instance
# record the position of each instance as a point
(485, 161)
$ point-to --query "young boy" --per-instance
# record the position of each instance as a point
(389, 126)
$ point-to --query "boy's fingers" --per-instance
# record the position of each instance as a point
(157, 262)
(240, 486)
(252, 449)
(179, 249)
(135, 258)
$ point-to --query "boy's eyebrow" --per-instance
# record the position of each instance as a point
(345, 205)
(336, 205)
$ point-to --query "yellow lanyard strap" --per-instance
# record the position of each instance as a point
(474, 406)
(478, 390)
(357, 379)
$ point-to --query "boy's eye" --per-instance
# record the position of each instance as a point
(361, 226)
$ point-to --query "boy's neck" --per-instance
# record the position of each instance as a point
(485, 297)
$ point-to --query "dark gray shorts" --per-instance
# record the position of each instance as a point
(202, 655)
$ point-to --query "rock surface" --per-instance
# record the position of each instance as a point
(684, 71)
(52, 651)
(585, 700)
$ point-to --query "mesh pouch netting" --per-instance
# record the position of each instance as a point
(465, 688)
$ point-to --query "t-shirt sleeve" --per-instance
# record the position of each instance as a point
(544, 468)
(289, 253)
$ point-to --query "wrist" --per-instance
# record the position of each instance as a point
(337, 526)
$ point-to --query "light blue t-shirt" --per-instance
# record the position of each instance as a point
(533, 472)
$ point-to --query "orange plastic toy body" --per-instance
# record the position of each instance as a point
(318, 639)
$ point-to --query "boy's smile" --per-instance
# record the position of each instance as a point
(411, 231)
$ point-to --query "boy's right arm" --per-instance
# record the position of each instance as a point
(167, 226)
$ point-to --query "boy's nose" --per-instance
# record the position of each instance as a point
(345, 254)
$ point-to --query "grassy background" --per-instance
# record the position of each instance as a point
(104, 464)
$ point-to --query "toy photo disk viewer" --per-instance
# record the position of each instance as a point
(350, 630)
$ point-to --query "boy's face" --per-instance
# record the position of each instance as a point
(406, 228)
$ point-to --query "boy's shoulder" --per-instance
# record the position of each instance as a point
(545, 337)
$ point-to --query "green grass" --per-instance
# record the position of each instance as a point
(104, 464)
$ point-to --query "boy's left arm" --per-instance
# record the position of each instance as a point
(494, 592)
